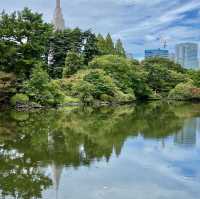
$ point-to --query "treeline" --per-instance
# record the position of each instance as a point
(40, 66)
(26, 40)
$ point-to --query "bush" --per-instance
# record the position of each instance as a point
(57, 96)
(41, 90)
(94, 84)
(165, 63)
(84, 90)
(103, 84)
(163, 74)
(126, 74)
(185, 91)
(73, 63)
(19, 99)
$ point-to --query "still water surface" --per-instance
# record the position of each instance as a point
(130, 152)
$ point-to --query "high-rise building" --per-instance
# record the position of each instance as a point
(58, 20)
(163, 53)
(187, 55)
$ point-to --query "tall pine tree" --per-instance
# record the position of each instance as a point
(101, 44)
(109, 44)
(119, 49)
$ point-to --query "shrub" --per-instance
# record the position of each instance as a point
(56, 93)
(94, 84)
(163, 74)
(103, 84)
(126, 74)
(73, 63)
(41, 90)
(185, 91)
(19, 99)
(165, 63)
(84, 90)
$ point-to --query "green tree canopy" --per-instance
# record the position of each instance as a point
(110, 49)
(128, 77)
(119, 49)
(23, 39)
(73, 63)
(163, 74)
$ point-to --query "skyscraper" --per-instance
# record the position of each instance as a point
(187, 55)
(58, 20)
(163, 53)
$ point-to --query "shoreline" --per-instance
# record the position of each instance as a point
(97, 104)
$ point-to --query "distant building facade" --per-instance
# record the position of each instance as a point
(187, 55)
(163, 53)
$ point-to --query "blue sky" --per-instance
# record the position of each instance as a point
(139, 23)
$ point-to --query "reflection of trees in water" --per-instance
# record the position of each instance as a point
(72, 138)
(20, 177)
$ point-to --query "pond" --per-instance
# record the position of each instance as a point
(140, 151)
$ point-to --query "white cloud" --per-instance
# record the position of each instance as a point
(136, 22)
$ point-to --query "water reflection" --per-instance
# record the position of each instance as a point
(187, 135)
(39, 148)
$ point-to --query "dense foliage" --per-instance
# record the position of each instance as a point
(127, 75)
(185, 91)
(41, 89)
(39, 65)
(106, 46)
(73, 63)
(23, 40)
(163, 74)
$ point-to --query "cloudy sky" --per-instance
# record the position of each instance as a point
(139, 23)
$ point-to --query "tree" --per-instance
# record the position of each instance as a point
(119, 49)
(41, 89)
(195, 76)
(23, 39)
(107, 47)
(90, 46)
(165, 63)
(59, 45)
(69, 40)
(73, 63)
(163, 74)
(130, 78)
(185, 91)
(109, 44)
(101, 45)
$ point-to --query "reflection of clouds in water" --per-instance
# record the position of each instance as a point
(143, 169)
(113, 153)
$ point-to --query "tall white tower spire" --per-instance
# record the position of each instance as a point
(58, 4)
(58, 20)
